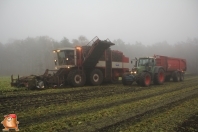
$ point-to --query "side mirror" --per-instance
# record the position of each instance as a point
(152, 60)
(131, 62)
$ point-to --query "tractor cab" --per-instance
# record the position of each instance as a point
(143, 64)
(146, 61)
(65, 58)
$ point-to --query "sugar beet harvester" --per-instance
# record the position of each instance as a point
(157, 69)
(92, 64)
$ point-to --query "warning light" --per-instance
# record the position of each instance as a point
(79, 48)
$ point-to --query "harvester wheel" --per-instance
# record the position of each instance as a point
(176, 76)
(159, 77)
(96, 77)
(76, 78)
(181, 77)
(145, 79)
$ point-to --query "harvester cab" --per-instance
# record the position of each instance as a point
(65, 58)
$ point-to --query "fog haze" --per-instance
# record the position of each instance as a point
(143, 21)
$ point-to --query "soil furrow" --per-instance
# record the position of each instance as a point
(105, 124)
(91, 109)
(63, 99)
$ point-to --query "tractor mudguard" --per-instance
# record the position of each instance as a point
(157, 69)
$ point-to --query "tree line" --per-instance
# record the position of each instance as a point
(34, 55)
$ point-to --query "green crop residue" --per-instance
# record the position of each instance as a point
(111, 107)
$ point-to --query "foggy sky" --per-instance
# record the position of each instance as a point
(145, 21)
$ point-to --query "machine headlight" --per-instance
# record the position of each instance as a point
(56, 68)
(67, 59)
(133, 72)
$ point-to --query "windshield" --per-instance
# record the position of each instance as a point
(145, 61)
(66, 57)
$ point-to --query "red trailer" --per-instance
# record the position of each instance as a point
(157, 69)
(174, 67)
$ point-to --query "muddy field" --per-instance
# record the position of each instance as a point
(110, 107)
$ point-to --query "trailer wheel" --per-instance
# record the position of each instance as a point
(159, 77)
(96, 77)
(76, 78)
(176, 76)
(181, 77)
(145, 79)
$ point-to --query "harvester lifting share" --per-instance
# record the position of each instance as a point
(34, 81)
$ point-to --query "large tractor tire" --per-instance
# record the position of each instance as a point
(76, 78)
(138, 80)
(96, 77)
(182, 77)
(159, 77)
(176, 76)
(145, 79)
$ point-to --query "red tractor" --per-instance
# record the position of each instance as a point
(92, 64)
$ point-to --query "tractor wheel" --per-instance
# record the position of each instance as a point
(159, 77)
(76, 78)
(96, 77)
(181, 77)
(145, 79)
(138, 80)
(124, 81)
(176, 76)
